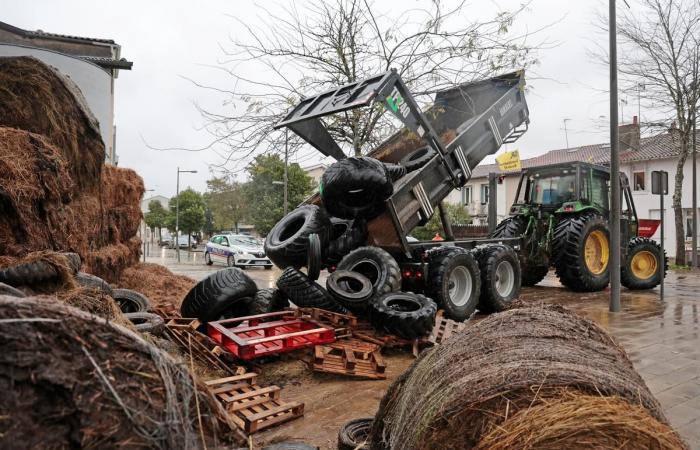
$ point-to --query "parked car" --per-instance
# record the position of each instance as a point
(236, 250)
(182, 240)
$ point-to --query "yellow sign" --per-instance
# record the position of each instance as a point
(509, 161)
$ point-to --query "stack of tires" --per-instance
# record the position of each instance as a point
(365, 280)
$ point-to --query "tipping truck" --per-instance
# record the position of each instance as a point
(467, 123)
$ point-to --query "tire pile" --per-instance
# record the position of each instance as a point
(365, 280)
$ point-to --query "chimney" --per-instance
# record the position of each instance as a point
(629, 135)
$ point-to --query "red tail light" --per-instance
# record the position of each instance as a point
(407, 274)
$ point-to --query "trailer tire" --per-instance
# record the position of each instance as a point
(351, 289)
(287, 243)
(94, 282)
(347, 235)
(146, 322)
(417, 158)
(403, 314)
(6, 289)
(131, 301)
(305, 293)
(377, 265)
(530, 274)
(395, 171)
(218, 292)
(454, 282)
(642, 269)
(355, 188)
(314, 257)
(354, 433)
(500, 276)
(577, 270)
(442, 250)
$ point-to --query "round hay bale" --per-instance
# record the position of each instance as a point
(165, 289)
(71, 380)
(459, 391)
(94, 301)
(580, 421)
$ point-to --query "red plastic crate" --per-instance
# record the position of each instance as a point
(268, 334)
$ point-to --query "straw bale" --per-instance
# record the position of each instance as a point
(164, 289)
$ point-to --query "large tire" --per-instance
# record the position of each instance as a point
(403, 314)
(571, 236)
(267, 301)
(643, 268)
(28, 274)
(147, 322)
(500, 276)
(515, 226)
(305, 293)
(347, 235)
(209, 298)
(131, 301)
(454, 282)
(355, 188)
(417, 158)
(6, 289)
(314, 257)
(395, 171)
(94, 282)
(354, 433)
(377, 265)
(287, 242)
(351, 289)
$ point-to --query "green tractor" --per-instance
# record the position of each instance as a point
(561, 214)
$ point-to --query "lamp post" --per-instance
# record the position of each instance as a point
(177, 211)
(284, 184)
(614, 169)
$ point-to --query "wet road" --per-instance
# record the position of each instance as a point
(661, 337)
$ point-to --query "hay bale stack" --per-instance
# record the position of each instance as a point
(35, 97)
(163, 288)
(72, 380)
(460, 391)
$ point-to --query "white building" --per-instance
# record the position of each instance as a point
(316, 172)
(93, 64)
(638, 158)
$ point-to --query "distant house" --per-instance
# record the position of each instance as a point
(316, 172)
(93, 64)
(639, 156)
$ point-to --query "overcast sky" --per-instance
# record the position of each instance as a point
(169, 40)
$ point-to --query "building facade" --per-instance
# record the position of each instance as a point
(93, 64)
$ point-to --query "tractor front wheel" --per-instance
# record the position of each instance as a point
(581, 252)
(643, 268)
(516, 226)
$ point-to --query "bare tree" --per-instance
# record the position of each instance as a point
(310, 46)
(658, 42)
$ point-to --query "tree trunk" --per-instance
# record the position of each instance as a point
(677, 205)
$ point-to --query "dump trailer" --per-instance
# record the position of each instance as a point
(463, 126)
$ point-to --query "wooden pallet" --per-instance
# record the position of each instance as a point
(342, 324)
(252, 407)
(444, 329)
(184, 333)
(366, 332)
(351, 357)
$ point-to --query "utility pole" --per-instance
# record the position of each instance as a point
(694, 253)
(566, 133)
(286, 160)
(640, 87)
(614, 169)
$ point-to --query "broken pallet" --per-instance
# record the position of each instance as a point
(444, 329)
(351, 357)
(342, 324)
(252, 407)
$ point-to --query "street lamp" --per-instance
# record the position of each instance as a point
(177, 211)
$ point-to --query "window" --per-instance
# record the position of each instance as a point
(638, 180)
(484, 194)
(216, 240)
(466, 195)
(224, 241)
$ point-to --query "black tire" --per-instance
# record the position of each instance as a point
(131, 301)
(353, 235)
(351, 289)
(650, 253)
(500, 276)
(209, 298)
(377, 265)
(355, 188)
(6, 289)
(454, 282)
(570, 237)
(442, 250)
(74, 261)
(395, 171)
(267, 301)
(515, 226)
(28, 274)
(91, 281)
(417, 158)
(305, 293)
(314, 257)
(354, 433)
(207, 259)
(403, 314)
(287, 242)
(147, 322)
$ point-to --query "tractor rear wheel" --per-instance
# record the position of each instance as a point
(643, 268)
(515, 226)
(581, 252)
